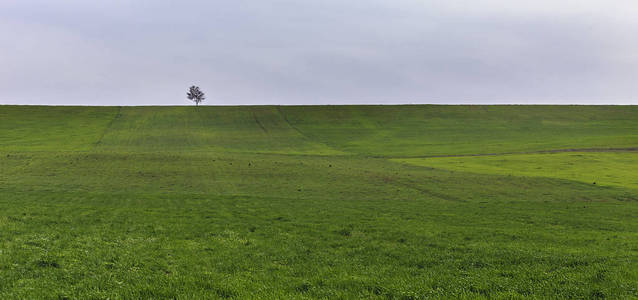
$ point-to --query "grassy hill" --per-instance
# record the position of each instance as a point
(319, 202)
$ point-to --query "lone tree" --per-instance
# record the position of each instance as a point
(195, 94)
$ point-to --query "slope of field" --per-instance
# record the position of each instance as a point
(220, 129)
(443, 130)
(317, 202)
(54, 128)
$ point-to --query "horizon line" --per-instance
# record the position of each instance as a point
(328, 104)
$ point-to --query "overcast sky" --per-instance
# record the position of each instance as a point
(147, 52)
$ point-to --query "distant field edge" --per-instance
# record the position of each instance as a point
(323, 104)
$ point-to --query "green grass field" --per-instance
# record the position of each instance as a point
(319, 202)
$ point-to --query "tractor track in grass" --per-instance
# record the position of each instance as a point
(108, 127)
(259, 123)
(283, 115)
(627, 149)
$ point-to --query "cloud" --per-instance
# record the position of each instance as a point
(312, 52)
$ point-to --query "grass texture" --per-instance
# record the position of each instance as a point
(345, 202)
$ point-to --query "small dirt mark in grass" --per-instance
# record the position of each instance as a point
(345, 232)
(597, 294)
(47, 264)
(304, 287)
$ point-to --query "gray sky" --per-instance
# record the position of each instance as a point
(146, 52)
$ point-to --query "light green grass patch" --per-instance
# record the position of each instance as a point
(602, 168)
